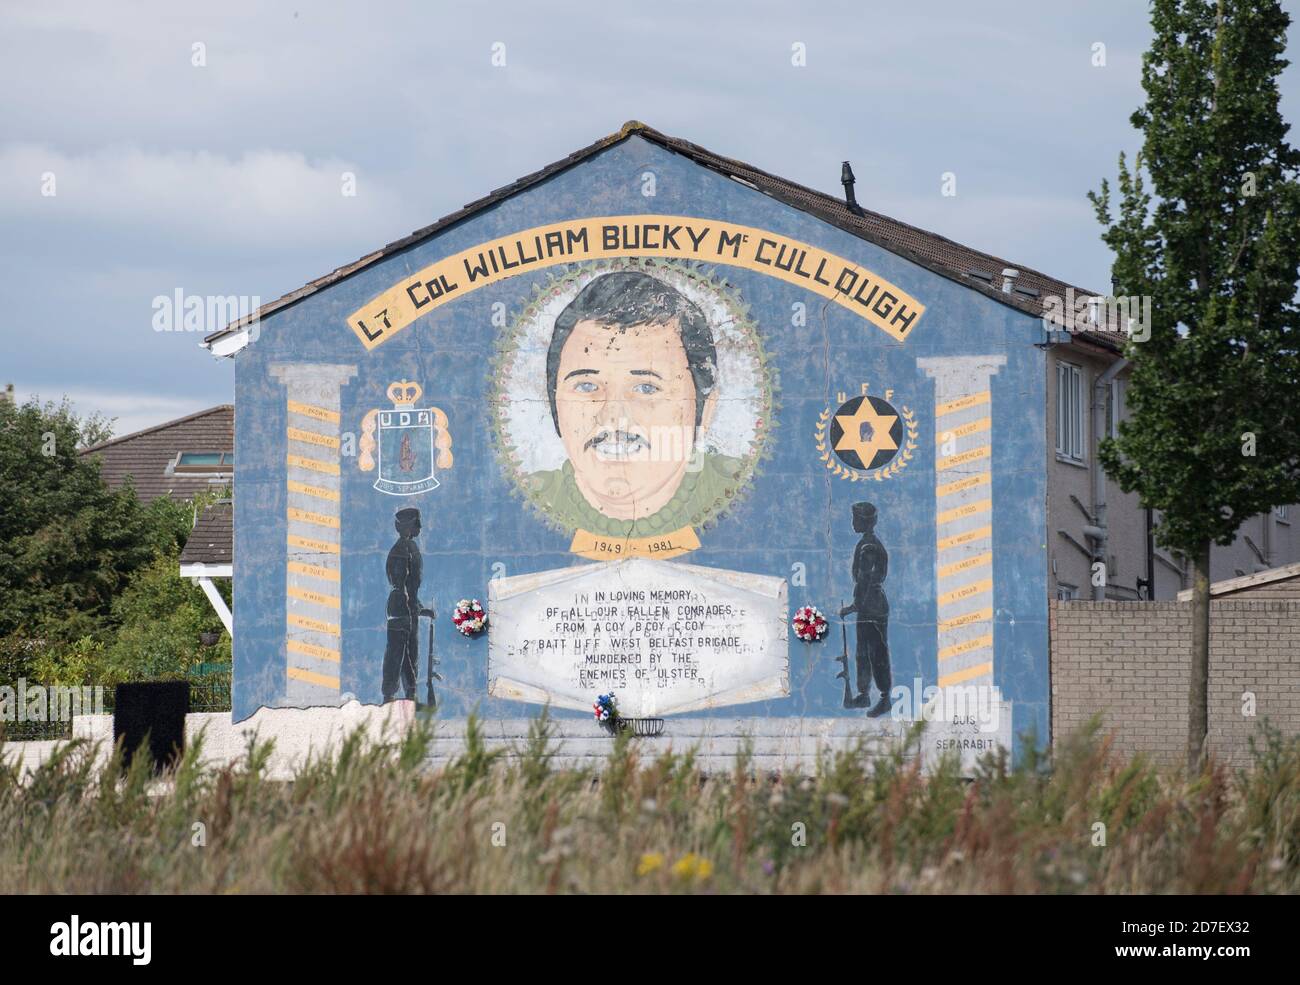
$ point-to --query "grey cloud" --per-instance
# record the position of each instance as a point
(223, 179)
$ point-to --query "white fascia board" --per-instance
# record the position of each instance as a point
(229, 344)
(207, 571)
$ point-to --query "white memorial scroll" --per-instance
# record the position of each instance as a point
(663, 636)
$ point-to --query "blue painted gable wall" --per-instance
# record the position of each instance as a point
(795, 513)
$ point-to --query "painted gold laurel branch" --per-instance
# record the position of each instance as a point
(896, 465)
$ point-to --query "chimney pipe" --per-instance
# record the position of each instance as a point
(846, 179)
(1009, 275)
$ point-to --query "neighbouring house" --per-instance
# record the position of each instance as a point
(207, 555)
(179, 458)
(183, 458)
(645, 403)
(1086, 377)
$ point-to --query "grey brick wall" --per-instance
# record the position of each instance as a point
(1130, 661)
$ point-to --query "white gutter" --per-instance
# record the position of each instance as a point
(228, 345)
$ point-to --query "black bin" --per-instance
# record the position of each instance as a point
(152, 712)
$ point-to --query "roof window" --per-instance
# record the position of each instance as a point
(204, 463)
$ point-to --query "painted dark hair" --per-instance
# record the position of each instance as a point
(628, 298)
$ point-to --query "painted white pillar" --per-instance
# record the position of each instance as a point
(963, 497)
(313, 572)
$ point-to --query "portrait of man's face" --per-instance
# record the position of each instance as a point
(631, 378)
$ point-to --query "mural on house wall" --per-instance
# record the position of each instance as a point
(404, 569)
(670, 430)
(632, 405)
(870, 612)
(406, 443)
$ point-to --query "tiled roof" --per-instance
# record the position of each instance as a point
(930, 250)
(211, 539)
(145, 455)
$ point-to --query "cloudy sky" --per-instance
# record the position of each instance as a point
(224, 177)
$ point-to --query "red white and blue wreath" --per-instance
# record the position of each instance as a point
(809, 624)
(469, 617)
(606, 709)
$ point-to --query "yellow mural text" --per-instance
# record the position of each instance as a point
(600, 547)
(833, 277)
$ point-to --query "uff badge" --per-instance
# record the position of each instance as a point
(408, 443)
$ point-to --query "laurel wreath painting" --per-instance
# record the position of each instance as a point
(746, 383)
(892, 468)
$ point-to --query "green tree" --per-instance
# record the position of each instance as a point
(160, 616)
(1214, 436)
(158, 619)
(67, 543)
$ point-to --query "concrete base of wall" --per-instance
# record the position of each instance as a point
(27, 756)
(775, 744)
(789, 745)
(298, 733)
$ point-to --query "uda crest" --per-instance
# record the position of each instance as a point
(866, 437)
(407, 442)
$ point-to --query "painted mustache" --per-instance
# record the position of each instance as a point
(616, 442)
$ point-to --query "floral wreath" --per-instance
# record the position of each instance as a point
(606, 709)
(741, 332)
(469, 617)
(809, 624)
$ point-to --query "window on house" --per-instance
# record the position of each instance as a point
(1114, 407)
(1069, 412)
(1279, 514)
(1066, 593)
(204, 462)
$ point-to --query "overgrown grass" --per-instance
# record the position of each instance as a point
(376, 819)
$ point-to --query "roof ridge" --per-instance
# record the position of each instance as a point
(158, 427)
(832, 199)
(867, 225)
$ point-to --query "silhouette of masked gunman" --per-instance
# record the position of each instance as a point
(405, 568)
(870, 566)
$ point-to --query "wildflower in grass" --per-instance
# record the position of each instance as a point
(650, 862)
(691, 866)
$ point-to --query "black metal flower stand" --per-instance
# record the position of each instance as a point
(639, 727)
